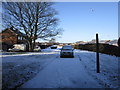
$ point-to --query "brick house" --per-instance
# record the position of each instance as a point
(11, 36)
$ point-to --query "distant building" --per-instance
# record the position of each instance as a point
(80, 42)
(113, 42)
(110, 42)
(91, 42)
(104, 41)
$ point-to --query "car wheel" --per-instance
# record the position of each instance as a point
(72, 56)
(61, 56)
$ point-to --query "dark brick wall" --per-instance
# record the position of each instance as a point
(8, 37)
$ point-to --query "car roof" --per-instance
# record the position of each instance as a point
(67, 46)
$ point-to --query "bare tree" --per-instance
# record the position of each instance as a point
(36, 19)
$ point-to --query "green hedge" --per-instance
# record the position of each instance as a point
(103, 48)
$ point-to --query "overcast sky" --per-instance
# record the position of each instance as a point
(82, 20)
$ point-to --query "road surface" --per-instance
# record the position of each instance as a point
(63, 73)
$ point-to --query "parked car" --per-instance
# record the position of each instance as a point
(37, 49)
(18, 47)
(54, 47)
(67, 51)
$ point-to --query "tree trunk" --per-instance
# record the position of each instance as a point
(30, 46)
(34, 43)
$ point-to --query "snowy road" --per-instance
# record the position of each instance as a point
(71, 73)
(63, 73)
(47, 70)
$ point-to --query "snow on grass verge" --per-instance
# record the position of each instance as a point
(108, 76)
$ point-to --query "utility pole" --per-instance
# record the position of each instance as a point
(97, 54)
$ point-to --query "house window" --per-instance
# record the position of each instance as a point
(3, 37)
(19, 38)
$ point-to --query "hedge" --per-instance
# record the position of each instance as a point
(103, 48)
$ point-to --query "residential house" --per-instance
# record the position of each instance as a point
(11, 36)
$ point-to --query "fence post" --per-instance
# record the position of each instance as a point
(97, 54)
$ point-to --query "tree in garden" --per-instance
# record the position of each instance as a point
(35, 19)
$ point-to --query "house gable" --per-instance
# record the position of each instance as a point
(8, 37)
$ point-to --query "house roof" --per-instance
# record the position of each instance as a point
(16, 31)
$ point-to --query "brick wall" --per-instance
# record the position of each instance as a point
(8, 37)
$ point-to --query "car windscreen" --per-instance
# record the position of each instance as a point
(67, 47)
